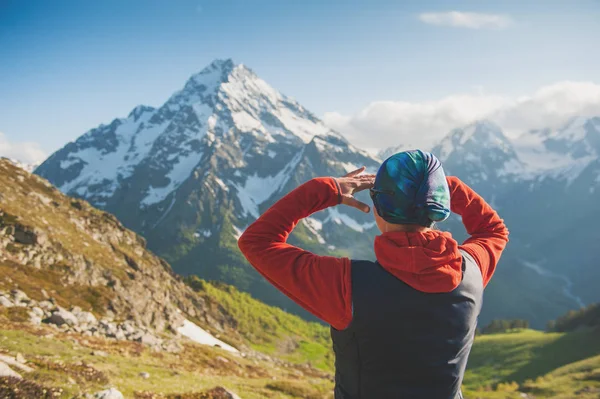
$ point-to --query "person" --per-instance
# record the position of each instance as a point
(403, 326)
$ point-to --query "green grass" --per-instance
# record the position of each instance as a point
(57, 359)
(502, 366)
(549, 365)
(269, 329)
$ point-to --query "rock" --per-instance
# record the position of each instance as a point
(46, 305)
(85, 317)
(144, 375)
(147, 339)
(99, 353)
(221, 359)
(111, 393)
(62, 317)
(221, 393)
(19, 358)
(4, 301)
(19, 296)
(37, 311)
(11, 361)
(34, 318)
(172, 346)
(6, 371)
(24, 235)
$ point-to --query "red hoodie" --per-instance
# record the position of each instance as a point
(429, 261)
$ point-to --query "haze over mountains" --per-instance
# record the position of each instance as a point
(192, 174)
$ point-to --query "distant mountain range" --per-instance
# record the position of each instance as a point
(192, 174)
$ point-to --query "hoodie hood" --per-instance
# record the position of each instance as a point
(427, 261)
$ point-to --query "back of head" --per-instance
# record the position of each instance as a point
(411, 188)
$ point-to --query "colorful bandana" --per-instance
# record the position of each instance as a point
(411, 188)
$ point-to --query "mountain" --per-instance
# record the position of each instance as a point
(84, 306)
(191, 174)
(87, 311)
(545, 185)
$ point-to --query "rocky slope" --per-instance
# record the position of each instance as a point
(83, 302)
(57, 253)
(192, 174)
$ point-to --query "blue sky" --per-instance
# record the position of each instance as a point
(68, 66)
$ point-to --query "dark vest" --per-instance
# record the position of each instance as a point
(403, 343)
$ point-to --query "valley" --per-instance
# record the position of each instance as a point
(86, 311)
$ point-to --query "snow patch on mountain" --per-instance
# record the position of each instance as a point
(237, 232)
(180, 171)
(201, 336)
(259, 108)
(338, 217)
(206, 233)
(257, 189)
(571, 171)
(106, 168)
(314, 226)
(559, 154)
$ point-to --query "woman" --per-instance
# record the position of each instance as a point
(403, 326)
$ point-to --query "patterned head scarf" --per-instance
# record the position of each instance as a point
(411, 188)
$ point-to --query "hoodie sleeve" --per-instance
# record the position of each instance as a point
(320, 284)
(488, 233)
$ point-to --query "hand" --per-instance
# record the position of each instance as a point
(353, 183)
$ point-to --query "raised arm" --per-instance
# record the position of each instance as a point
(320, 284)
(488, 233)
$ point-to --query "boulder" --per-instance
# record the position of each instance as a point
(148, 339)
(221, 393)
(19, 296)
(62, 317)
(85, 317)
(34, 319)
(4, 301)
(37, 311)
(46, 305)
(6, 371)
(11, 361)
(111, 393)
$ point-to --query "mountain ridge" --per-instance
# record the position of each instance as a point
(191, 174)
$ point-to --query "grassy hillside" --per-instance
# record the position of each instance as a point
(71, 364)
(532, 361)
(269, 329)
(545, 365)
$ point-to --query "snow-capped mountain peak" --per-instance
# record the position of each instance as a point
(223, 99)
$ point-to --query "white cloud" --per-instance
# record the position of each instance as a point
(24, 151)
(383, 124)
(470, 20)
(549, 106)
